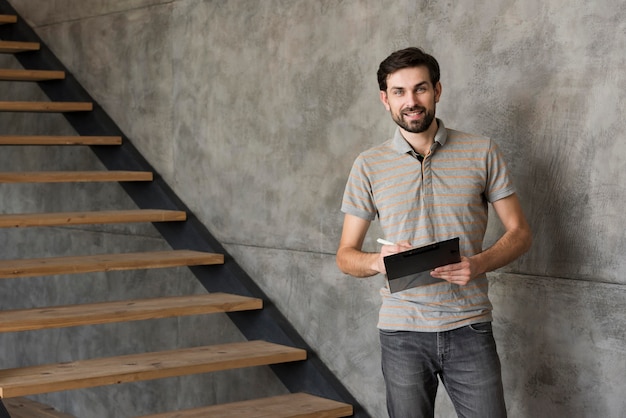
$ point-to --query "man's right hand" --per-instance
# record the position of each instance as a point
(390, 250)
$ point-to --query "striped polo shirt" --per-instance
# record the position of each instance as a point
(444, 196)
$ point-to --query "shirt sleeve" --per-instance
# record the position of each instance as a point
(357, 197)
(499, 184)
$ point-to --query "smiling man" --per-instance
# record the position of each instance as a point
(430, 183)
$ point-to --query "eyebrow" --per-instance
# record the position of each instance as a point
(415, 86)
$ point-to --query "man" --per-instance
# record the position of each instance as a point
(430, 183)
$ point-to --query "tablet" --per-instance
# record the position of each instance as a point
(412, 268)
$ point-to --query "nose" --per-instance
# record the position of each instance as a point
(411, 99)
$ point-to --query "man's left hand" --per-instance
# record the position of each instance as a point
(458, 273)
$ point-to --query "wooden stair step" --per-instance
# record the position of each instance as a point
(12, 47)
(135, 367)
(7, 19)
(74, 176)
(59, 140)
(91, 218)
(127, 310)
(30, 75)
(46, 107)
(296, 405)
(106, 262)
(27, 408)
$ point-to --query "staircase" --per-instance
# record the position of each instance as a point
(271, 341)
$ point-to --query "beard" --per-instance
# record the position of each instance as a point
(415, 126)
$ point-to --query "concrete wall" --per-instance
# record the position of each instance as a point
(78, 343)
(253, 111)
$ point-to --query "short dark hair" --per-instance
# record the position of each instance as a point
(407, 58)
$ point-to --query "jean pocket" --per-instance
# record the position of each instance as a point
(389, 332)
(481, 328)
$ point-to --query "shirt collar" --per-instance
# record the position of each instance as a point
(400, 144)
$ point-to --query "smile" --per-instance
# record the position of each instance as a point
(413, 113)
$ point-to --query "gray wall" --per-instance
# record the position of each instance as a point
(78, 343)
(253, 111)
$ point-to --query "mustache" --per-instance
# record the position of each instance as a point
(414, 109)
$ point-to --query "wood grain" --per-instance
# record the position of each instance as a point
(74, 176)
(45, 107)
(90, 218)
(127, 310)
(7, 19)
(296, 405)
(27, 408)
(30, 75)
(136, 367)
(106, 262)
(12, 47)
(59, 140)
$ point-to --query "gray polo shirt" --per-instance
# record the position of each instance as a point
(442, 197)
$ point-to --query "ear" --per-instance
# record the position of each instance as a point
(437, 91)
(384, 99)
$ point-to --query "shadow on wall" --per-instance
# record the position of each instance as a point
(536, 321)
(564, 357)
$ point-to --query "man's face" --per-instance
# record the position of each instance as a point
(411, 98)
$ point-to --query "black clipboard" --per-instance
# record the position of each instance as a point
(412, 268)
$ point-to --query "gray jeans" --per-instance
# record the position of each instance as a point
(465, 360)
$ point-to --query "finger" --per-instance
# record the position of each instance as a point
(457, 277)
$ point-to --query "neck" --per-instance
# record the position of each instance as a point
(422, 141)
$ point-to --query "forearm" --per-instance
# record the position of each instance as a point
(509, 247)
(357, 263)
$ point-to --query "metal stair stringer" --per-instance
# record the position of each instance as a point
(311, 376)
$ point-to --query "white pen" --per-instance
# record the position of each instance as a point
(384, 242)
